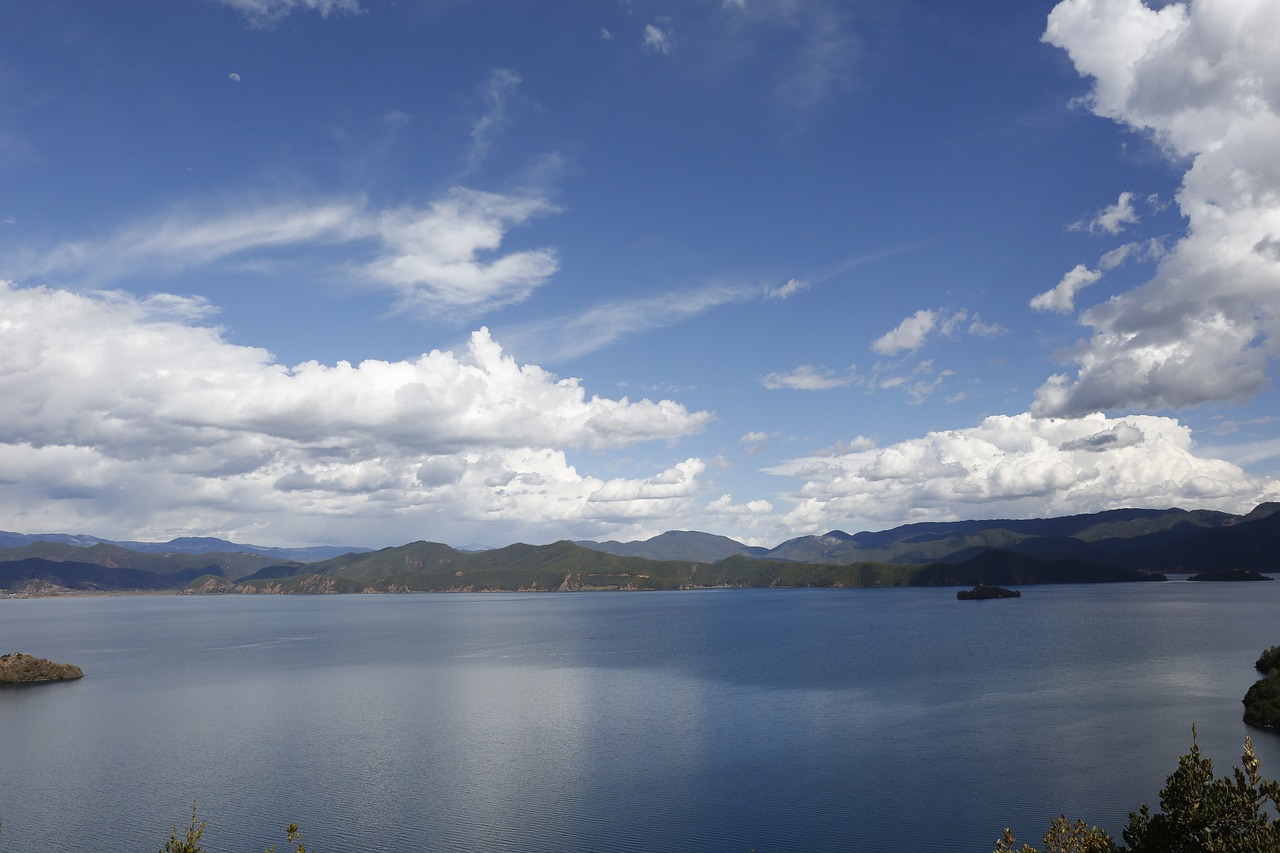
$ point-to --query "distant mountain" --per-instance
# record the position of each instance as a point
(924, 541)
(72, 575)
(183, 545)
(1122, 545)
(678, 545)
(566, 566)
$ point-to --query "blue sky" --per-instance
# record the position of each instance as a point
(304, 271)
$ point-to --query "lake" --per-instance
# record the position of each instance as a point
(726, 720)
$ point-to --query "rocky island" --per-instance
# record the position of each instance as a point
(22, 668)
(982, 592)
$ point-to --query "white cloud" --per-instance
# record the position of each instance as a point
(438, 260)
(909, 335)
(267, 12)
(435, 260)
(656, 38)
(1017, 466)
(806, 377)
(791, 288)
(983, 329)
(1111, 219)
(754, 438)
(122, 416)
(1062, 298)
(1204, 80)
(912, 333)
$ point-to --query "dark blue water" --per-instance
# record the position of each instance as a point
(779, 720)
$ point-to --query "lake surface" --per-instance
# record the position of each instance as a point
(779, 720)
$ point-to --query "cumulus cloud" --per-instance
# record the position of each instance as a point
(120, 409)
(1017, 466)
(436, 259)
(441, 259)
(907, 336)
(806, 377)
(1062, 298)
(1204, 80)
(267, 12)
(912, 333)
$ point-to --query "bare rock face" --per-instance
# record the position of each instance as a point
(22, 668)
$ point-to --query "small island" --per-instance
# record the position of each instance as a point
(982, 592)
(20, 668)
(1230, 575)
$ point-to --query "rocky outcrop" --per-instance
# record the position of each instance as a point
(22, 668)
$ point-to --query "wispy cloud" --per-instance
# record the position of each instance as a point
(263, 13)
(791, 288)
(574, 335)
(498, 89)
(657, 39)
(438, 260)
(806, 377)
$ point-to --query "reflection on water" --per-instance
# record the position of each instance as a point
(727, 720)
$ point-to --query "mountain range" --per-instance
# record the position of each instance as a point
(1117, 545)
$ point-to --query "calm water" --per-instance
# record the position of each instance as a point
(798, 720)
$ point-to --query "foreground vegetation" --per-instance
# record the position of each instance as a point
(1198, 814)
(189, 842)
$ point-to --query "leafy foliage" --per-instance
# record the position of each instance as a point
(1198, 814)
(1269, 661)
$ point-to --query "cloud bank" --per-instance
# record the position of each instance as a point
(1014, 467)
(124, 414)
(1204, 81)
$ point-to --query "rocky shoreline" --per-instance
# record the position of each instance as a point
(21, 668)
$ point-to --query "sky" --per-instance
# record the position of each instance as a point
(365, 272)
